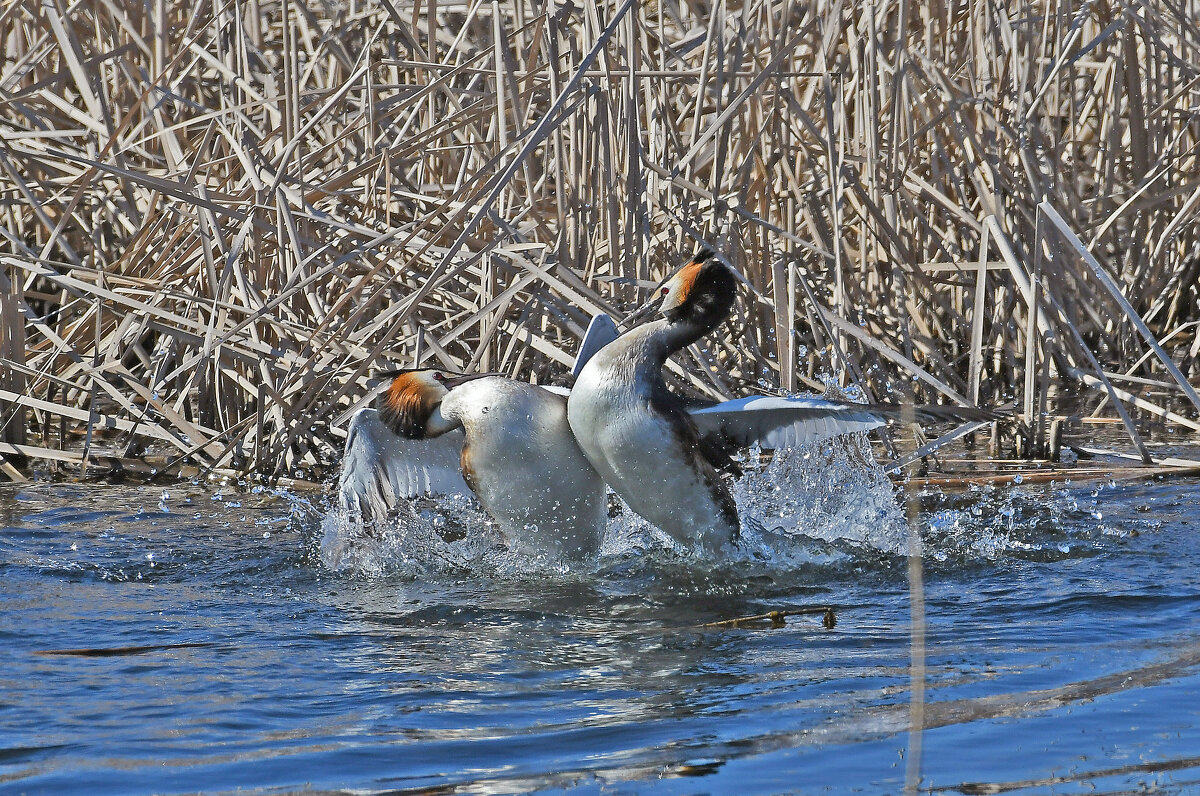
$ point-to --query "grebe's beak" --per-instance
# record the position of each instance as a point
(651, 307)
(644, 312)
(451, 383)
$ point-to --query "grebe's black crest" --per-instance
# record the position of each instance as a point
(706, 292)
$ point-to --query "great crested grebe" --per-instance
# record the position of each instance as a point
(514, 449)
(433, 432)
(663, 455)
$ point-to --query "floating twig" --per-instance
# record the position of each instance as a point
(776, 619)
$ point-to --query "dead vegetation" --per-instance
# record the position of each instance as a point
(218, 218)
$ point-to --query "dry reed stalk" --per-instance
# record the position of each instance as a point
(218, 219)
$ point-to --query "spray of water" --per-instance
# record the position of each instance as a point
(819, 504)
(1040, 523)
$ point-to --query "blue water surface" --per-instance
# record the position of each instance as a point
(1062, 651)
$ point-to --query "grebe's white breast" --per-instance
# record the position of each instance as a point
(647, 455)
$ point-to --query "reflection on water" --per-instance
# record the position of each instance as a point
(254, 642)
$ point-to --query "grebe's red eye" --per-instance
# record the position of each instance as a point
(437, 376)
(665, 291)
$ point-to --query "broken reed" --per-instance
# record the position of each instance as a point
(219, 218)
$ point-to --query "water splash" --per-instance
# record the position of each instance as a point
(820, 504)
(809, 512)
(419, 537)
(1041, 523)
(831, 496)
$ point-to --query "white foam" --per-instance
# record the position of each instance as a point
(833, 491)
(815, 503)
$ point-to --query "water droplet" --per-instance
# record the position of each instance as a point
(1018, 478)
(266, 534)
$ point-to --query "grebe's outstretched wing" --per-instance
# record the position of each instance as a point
(380, 468)
(600, 332)
(781, 422)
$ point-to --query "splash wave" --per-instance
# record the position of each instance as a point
(818, 504)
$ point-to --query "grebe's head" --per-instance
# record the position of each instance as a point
(411, 406)
(407, 406)
(699, 294)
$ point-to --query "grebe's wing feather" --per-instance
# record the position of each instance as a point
(600, 332)
(380, 468)
(782, 422)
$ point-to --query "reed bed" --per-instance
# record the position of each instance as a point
(219, 218)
